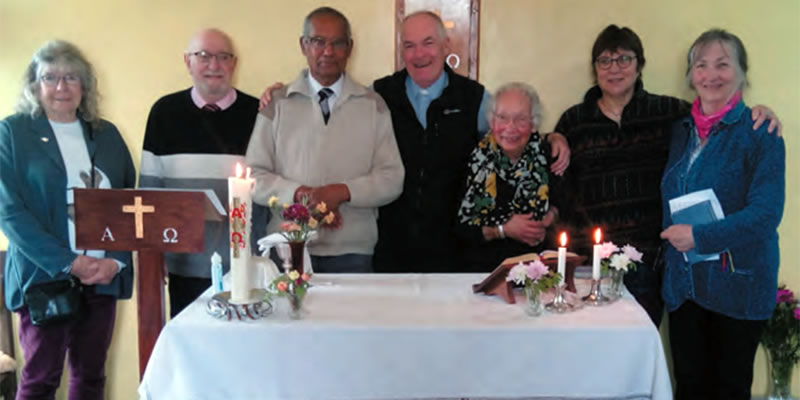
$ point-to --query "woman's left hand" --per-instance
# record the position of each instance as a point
(107, 269)
(761, 114)
(679, 236)
(560, 153)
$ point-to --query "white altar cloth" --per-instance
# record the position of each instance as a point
(409, 336)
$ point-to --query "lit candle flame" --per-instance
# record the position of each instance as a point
(238, 170)
(247, 175)
(598, 235)
(563, 239)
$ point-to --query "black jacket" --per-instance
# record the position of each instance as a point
(415, 232)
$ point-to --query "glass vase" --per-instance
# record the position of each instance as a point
(780, 377)
(533, 301)
(295, 306)
(617, 282)
(297, 249)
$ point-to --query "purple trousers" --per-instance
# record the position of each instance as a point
(84, 342)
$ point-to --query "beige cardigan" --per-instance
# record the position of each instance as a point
(291, 146)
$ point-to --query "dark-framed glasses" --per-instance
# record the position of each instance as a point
(622, 61)
(320, 43)
(51, 80)
(206, 56)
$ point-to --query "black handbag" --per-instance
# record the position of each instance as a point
(55, 302)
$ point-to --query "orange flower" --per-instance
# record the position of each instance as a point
(305, 277)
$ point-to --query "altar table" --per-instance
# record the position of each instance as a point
(409, 336)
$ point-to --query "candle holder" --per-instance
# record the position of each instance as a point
(560, 304)
(596, 296)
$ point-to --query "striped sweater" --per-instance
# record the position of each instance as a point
(189, 148)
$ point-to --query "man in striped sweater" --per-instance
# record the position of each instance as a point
(193, 140)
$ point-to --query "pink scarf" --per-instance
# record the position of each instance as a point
(705, 122)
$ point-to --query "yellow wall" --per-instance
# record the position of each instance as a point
(136, 47)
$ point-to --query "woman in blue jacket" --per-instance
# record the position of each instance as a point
(55, 143)
(718, 308)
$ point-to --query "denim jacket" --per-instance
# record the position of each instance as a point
(746, 170)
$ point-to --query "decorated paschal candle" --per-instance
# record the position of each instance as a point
(240, 201)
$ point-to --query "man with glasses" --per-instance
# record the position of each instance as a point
(326, 138)
(193, 140)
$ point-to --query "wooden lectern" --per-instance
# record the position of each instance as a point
(150, 222)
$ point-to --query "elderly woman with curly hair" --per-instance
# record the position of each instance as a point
(54, 143)
(506, 209)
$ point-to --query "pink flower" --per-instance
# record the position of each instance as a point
(305, 276)
(288, 226)
(632, 253)
(797, 313)
(607, 249)
(785, 296)
(282, 286)
(535, 270)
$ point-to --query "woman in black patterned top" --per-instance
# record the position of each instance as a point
(619, 138)
(506, 208)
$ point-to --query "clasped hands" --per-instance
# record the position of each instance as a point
(93, 271)
(522, 228)
(332, 195)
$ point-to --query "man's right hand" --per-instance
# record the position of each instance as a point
(266, 97)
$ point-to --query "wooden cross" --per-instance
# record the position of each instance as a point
(138, 210)
(101, 223)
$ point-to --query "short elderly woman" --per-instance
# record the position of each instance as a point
(506, 209)
(55, 143)
(718, 308)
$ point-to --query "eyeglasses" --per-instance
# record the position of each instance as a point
(318, 43)
(51, 80)
(519, 121)
(622, 61)
(206, 56)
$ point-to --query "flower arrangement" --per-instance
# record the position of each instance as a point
(781, 339)
(294, 286)
(291, 283)
(534, 275)
(620, 259)
(300, 219)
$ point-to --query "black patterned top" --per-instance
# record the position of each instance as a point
(614, 176)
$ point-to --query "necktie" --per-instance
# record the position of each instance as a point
(324, 94)
(211, 107)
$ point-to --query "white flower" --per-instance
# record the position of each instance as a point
(632, 253)
(517, 274)
(536, 270)
(607, 249)
(620, 262)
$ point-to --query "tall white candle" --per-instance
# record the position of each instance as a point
(562, 256)
(598, 236)
(240, 201)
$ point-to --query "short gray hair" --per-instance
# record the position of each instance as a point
(524, 88)
(729, 42)
(437, 20)
(329, 11)
(65, 55)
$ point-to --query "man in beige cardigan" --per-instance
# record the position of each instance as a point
(330, 139)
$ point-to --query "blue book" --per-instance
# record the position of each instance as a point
(697, 214)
